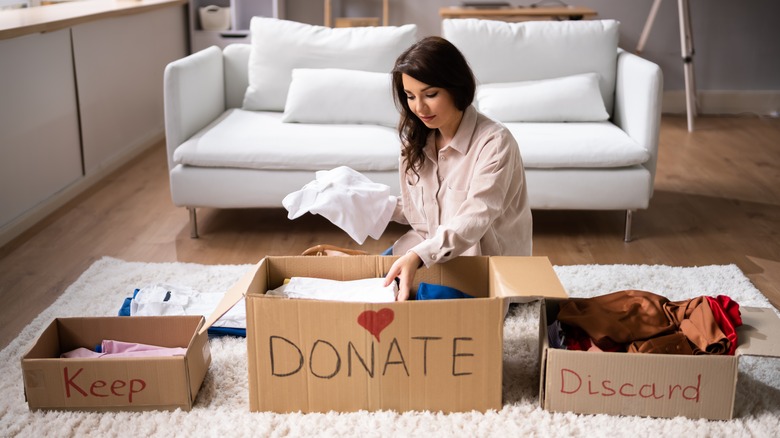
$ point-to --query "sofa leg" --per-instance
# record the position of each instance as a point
(629, 216)
(193, 223)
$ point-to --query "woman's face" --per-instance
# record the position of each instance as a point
(432, 105)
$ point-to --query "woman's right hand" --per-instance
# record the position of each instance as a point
(404, 269)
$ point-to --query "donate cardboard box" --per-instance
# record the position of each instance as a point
(655, 385)
(116, 384)
(443, 355)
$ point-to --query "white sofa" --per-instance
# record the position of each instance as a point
(240, 134)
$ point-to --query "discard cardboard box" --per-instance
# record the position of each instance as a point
(655, 385)
(445, 355)
(116, 384)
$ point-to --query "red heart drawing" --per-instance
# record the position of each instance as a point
(375, 322)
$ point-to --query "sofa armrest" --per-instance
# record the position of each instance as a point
(638, 95)
(194, 94)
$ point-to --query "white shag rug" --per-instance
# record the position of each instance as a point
(222, 407)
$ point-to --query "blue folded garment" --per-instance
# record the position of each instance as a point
(427, 291)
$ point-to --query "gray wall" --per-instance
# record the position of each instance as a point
(737, 42)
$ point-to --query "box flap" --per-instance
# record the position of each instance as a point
(233, 296)
(198, 359)
(47, 344)
(524, 278)
(759, 334)
(544, 344)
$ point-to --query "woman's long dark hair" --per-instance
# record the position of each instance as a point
(436, 62)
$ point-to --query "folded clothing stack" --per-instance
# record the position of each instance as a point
(167, 299)
(364, 290)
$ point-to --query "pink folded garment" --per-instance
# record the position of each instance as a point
(109, 349)
(81, 353)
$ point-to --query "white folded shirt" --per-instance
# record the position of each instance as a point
(366, 290)
(348, 199)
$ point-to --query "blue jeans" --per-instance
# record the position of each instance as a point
(388, 252)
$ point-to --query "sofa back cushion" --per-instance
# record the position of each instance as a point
(512, 52)
(236, 64)
(279, 46)
(334, 95)
(568, 99)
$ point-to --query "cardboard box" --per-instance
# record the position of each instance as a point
(655, 385)
(116, 384)
(444, 355)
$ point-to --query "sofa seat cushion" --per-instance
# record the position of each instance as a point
(260, 140)
(570, 145)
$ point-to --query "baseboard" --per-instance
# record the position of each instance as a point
(758, 102)
(28, 219)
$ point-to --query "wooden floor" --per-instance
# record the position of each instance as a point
(717, 201)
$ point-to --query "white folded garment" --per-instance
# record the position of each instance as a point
(366, 290)
(151, 301)
(348, 199)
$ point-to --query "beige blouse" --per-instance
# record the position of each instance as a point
(470, 199)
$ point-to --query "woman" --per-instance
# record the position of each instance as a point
(462, 181)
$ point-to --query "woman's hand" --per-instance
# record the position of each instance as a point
(404, 268)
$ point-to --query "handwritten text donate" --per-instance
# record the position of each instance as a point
(326, 359)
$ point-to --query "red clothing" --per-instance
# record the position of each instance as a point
(726, 313)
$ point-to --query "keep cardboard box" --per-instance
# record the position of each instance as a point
(443, 355)
(116, 384)
(654, 385)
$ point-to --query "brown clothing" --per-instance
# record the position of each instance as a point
(645, 322)
(676, 343)
(695, 320)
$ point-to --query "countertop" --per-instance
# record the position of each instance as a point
(19, 22)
